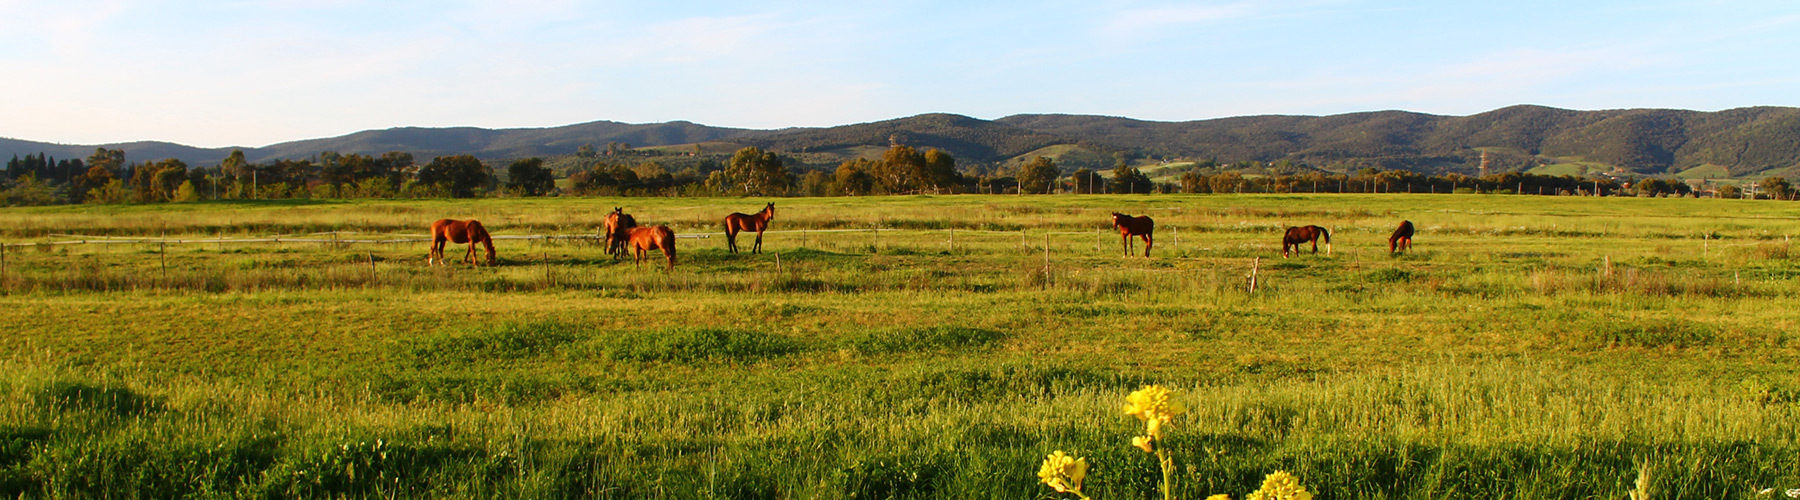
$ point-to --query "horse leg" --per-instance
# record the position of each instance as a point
(469, 256)
(1125, 241)
(1148, 242)
(731, 240)
(758, 242)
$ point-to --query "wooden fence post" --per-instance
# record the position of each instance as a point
(1046, 259)
(371, 266)
(1255, 265)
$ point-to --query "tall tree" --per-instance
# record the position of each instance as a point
(853, 179)
(757, 172)
(530, 177)
(901, 169)
(940, 169)
(1036, 176)
(462, 174)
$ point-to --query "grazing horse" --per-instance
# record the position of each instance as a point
(1129, 226)
(1297, 235)
(1402, 237)
(737, 222)
(644, 239)
(459, 231)
(618, 228)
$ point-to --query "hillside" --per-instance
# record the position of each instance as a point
(1645, 141)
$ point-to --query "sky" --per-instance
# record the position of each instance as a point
(257, 72)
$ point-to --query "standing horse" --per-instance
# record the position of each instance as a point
(459, 231)
(1297, 235)
(1129, 226)
(737, 222)
(618, 227)
(1402, 237)
(644, 239)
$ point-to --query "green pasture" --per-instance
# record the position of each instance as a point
(902, 347)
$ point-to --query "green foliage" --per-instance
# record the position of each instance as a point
(755, 172)
(529, 176)
(926, 339)
(461, 174)
(1038, 176)
(699, 344)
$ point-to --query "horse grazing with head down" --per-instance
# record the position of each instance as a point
(1129, 226)
(644, 239)
(1297, 235)
(459, 232)
(737, 222)
(1402, 237)
(618, 228)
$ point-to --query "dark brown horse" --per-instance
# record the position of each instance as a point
(618, 227)
(459, 232)
(737, 222)
(644, 239)
(1402, 237)
(1129, 226)
(1298, 235)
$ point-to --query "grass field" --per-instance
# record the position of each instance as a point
(904, 347)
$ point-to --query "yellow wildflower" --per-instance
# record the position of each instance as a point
(1143, 443)
(1152, 401)
(1063, 473)
(1280, 485)
(1220, 496)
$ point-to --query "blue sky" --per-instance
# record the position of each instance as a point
(250, 73)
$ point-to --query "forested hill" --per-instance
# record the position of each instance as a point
(1647, 141)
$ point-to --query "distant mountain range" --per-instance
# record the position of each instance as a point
(1742, 141)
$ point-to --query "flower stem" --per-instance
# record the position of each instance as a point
(1168, 470)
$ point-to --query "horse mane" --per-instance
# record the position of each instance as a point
(478, 233)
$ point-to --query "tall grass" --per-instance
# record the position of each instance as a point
(1544, 350)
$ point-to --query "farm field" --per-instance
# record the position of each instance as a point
(902, 347)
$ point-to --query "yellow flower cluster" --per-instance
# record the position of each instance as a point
(1155, 405)
(1280, 485)
(1063, 473)
(1220, 496)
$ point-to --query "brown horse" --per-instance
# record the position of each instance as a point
(618, 227)
(1129, 226)
(737, 222)
(644, 239)
(1297, 235)
(1402, 237)
(459, 232)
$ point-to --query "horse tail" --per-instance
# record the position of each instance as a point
(1326, 234)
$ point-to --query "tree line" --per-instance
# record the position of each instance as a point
(106, 177)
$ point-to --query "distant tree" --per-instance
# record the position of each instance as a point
(940, 170)
(587, 151)
(1193, 182)
(112, 192)
(529, 176)
(1036, 176)
(756, 172)
(186, 193)
(235, 165)
(113, 160)
(461, 174)
(1777, 187)
(853, 179)
(901, 169)
(1088, 181)
(815, 183)
(27, 190)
